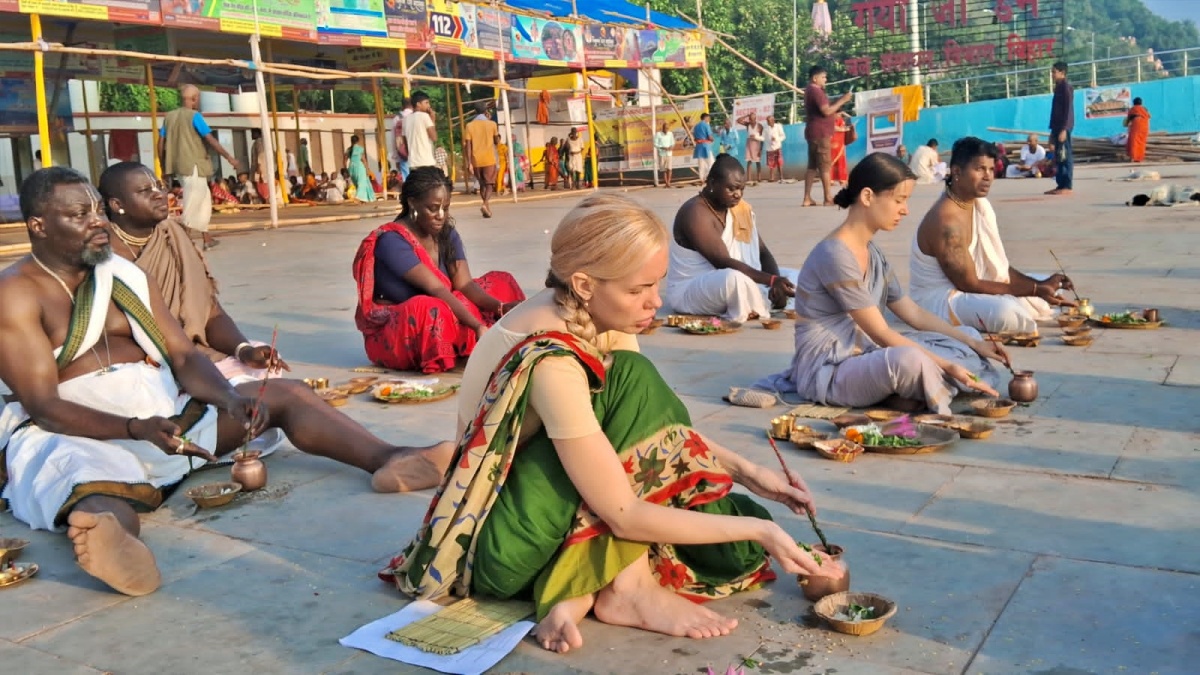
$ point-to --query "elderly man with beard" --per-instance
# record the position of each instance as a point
(112, 402)
(959, 269)
(720, 265)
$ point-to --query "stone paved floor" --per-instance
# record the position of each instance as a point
(1066, 543)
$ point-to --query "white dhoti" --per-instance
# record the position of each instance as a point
(197, 201)
(931, 289)
(49, 472)
(695, 286)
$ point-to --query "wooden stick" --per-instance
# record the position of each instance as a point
(262, 388)
(995, 341)
(1063, 272)
(791, 479)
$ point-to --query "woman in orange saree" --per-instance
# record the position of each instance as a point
(1138, 122)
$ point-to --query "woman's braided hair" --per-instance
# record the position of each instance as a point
(607, 237)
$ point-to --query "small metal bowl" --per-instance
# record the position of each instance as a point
(214, 494)
(772, 324)
(10, 549)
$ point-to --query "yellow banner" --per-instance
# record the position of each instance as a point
(248, 28)
(382, 42)
(68, 9)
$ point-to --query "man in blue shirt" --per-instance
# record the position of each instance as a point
(726, 138)
(702, 134)
(185, 143)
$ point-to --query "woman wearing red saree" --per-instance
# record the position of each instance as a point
(837, 150)
(415, 313)
(1138, 121)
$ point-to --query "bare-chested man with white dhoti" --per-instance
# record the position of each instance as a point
(959, 269)
(112, 404)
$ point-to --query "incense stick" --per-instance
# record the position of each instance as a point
(1063, 272)
(791, 479)
(993, 340)
(262, 388)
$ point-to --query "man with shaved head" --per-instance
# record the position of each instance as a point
(184, 151)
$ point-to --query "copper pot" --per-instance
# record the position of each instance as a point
(1150, 315)
(1023, 388)
(249, 470)
(816, 588)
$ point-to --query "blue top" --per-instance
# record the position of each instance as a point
(702, 132)
(726, 139)
(198, 123)
(394, 257)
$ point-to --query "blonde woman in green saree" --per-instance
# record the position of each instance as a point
(579, 482)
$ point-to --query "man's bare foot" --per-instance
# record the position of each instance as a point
(828, 202)
(414, 468)
(108, 552)
(808, 202)
(559, 631)
(652, 607)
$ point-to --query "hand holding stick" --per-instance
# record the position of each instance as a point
(791, 479)
(995, 341)
(262, 388)
(1064, 273)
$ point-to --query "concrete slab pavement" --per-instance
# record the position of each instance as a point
(1065, 543)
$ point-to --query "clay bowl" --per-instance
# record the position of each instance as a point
(10, 549)
(883, 415)
(850, 420)
(976, 430)
(1079, 330)
(1078, 340)
(772, 324)
(838, 449)
(655, 324)
(334, 397)
(214, 494)
(829, 606)
(790, 314)
(1021, 339)
(992, 407)
(1071, 321)
(804, 437)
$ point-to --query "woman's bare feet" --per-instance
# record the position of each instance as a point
(638, 601)
(559, 631)
(108, 552)
(414, 468)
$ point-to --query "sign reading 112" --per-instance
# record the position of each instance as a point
(446, 25)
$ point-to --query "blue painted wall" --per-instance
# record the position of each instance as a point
(1174, 106)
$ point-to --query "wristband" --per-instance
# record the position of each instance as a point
(771, 283)
(237, 353)
(129, 428)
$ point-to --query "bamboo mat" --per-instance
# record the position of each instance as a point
(461, 625)
(816, 411)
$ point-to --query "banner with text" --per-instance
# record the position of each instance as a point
(407, 20)
(116, 11)
(349, 22)
(546, 41)
(292, 20)
(625, 136)
(761, 105)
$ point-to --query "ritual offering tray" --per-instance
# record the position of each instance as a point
(805, 437)
(335, 397)
(855, 613)
(654, 325)
(677, 320)
(10, 550)
(1127, 320)
(850, 420)
(358, 385)
(411, 392)
(214, 494)
(1071, 321)
(14, 573)
(991, 407)
(927, 439)
(883, 415)
(1080, 330)
(838, 449)
(1082, 340)
(976, 430)
(712, 326)
(1020, 339)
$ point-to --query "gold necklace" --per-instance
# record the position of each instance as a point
(129, 239)
(47, 270)
(965, 206)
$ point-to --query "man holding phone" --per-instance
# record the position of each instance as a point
(820, 118)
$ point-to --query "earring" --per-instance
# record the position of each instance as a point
(121, 211)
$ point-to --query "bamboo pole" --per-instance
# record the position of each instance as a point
(264, 124)
(587, 105)
(450, 128)
(39, 87)
(462, 124)
(296, 121)
(155, 141)
(277, 157)
(653, 113)
(380, 138)
(404, 73)
(508, 135)
(87, 122)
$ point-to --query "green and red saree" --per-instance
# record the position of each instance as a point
(508, 522)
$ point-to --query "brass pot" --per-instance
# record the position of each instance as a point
(1085, 307)
(816, 588)
(249, 470)
(1023, 388)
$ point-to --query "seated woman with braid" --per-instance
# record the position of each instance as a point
(579, 481)
(415, 313)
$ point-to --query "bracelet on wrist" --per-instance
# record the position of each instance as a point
(129, 428)
(237, 353)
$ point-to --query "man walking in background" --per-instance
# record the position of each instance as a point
(820, 118)
(664, 145)
(186, 139)
(1062, 122)
(482, 141)
(419, 132)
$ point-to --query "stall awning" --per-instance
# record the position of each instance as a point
(605, 11)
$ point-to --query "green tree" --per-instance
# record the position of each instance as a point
(135, 98)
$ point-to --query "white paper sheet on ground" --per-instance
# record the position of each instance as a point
(470, 661)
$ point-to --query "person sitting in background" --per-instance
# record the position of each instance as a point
(221, 196)
(719, 263)
(846, 353)
(902, 153)
(349, 189)
(1032, 154)
(959, 269)
(175, 198)
(393, 182)
(309, 189)
(247, 193)
(926, 165)
(418, 306)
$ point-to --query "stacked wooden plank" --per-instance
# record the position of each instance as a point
(1160, 147)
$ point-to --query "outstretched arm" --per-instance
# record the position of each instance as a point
(693, 223)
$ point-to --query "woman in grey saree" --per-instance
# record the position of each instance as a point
(846, 354)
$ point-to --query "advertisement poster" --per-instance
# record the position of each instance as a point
(662, 47)
(348, 21)
(625, 137)
(18, 106)
(1110, 102)
(453, 24)
(293, 19)
(495, 30)
(545, 40)
(117, 11)
(406, 20)
(885, 124)
(762, 105)
(610, 46)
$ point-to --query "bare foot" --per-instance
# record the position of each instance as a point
(559, 631)
(808, 202)
(414, 469)
(652, 607)
(828, 202)
(108, 552)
